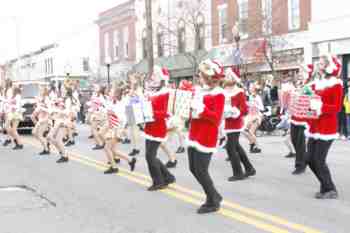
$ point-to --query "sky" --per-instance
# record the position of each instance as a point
(26, 26)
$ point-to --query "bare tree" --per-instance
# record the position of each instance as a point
(188, 14)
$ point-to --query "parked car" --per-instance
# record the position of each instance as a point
(30, 90)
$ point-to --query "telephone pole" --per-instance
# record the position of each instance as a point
(150, 58)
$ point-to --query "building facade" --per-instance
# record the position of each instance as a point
(117, 36)
(276, 28)
(328, 33)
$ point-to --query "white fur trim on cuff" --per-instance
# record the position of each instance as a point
(200, 147)
(157, 139)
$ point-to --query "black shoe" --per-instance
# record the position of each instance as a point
(250, 172)
(255, 150)
(298, 171)
(111, 170)
(134, 152)
(117, 160)
(236, 178)
(205, 209)
(333, 194)
(156, 187)
(70, 143)
(91, 137)
(98, 147)
(171, 180)
(18, 147)
(44, 152)
(62, 160)
(171, 164)
(290, 155)
(132, 164)
(7, 142)
(180, 150)
(75, 134)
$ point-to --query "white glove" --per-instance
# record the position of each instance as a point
(197, 106)
(231, 112)
(316, 105)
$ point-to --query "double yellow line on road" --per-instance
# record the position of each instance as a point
(231, 210)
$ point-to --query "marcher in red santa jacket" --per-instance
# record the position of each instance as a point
(323, 130)
(235, 110)
(207, 111)
(156, 130)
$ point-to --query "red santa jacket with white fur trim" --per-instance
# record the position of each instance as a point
(157, 130)
(238, 100)
(203, 133)
(331, 93)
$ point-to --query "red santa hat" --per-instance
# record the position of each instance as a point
(161, 73)
(213, 69)
(186, 85)
(233, 73)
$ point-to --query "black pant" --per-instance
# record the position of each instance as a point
(237, 154)
(318, 151)
(297, 135)
(157, 170)
(199, 165)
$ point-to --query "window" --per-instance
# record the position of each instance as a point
(144, 44)
(106, 46)
(160, 42)
(126, 42)
(181, 37)
(201, 32)
(86, 66)
(116, 45)
(222, 10)
(266, 7)
(293, 14)
(243, 17)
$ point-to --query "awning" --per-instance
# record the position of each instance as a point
(179, 65)
(251, 51)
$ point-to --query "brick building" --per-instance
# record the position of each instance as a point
(117, 32)
(259, 22)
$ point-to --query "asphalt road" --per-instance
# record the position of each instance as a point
(78, 197)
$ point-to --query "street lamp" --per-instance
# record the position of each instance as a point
(108, 65)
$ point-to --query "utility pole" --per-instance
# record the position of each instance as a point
(150, 58)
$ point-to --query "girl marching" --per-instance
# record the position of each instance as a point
(207, 111)
(116, 124)
(155, 131)
(235, 110)
(323, 130)
(40, 118)
(14, 116)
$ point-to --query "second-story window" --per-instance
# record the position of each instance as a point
(181, 36)
(126, 42)
(293, 14)
(266, 8)
(201, 32)
(243, 7)
(223, 22)
(116, 45)
(160, 42)
(106, 46)
(144, 44)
